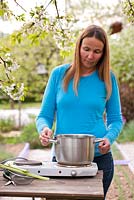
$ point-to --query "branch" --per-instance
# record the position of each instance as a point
(48, 4)
(131, 7)
(55, 3)
(4, 63)
(19, 5)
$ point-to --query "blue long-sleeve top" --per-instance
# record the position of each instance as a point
(82, 113)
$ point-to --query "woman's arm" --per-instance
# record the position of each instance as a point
(114, 118)
(48, 106)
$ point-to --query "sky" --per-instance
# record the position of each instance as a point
(10, 26)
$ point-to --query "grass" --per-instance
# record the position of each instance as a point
(129, 180)
(4, 154)
(116, 153)
(123, 183)
(127, 134)
(23, 105)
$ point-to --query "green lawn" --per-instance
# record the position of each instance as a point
(23, 105)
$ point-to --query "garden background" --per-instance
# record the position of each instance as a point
(46, 39)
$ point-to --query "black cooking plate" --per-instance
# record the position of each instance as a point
(27, 162)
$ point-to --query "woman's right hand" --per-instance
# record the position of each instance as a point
(45, 136)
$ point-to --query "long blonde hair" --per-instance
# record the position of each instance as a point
(103, 66)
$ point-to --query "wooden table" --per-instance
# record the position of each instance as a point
(57, 188)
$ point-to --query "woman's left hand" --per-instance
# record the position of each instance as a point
(104, 146)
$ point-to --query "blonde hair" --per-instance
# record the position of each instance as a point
(103, 66)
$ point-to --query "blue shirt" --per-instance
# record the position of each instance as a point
(82, 113)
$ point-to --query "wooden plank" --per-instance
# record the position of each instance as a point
(60, 188)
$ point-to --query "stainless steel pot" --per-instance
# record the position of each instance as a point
(74, 149)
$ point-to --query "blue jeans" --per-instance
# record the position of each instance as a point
(106, 164)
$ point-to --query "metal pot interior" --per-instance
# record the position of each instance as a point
(75, 136)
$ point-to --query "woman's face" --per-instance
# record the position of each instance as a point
(91, 51)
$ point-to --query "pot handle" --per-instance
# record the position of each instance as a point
(53, 141)
(98, 140)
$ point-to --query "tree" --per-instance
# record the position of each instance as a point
(39, 27)
(128, 8)
(122, 59)
(31, 57)
(8, 83)
(62, 27)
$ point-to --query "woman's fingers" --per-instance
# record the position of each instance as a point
(104, 146)
(45, 136)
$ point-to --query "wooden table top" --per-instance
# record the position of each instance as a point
(57, 188)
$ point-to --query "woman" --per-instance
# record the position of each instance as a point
(77, 96)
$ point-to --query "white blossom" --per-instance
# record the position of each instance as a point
(14, 91)
(13, 67)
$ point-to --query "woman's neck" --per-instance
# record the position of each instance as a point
(87, 72)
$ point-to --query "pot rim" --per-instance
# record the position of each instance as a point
(70, 135)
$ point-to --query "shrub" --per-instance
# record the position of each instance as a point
(127, 101)
(29, 134)
(122, 63)
(127, 134)
(6, 125)
(4, 154)
(1, 139)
